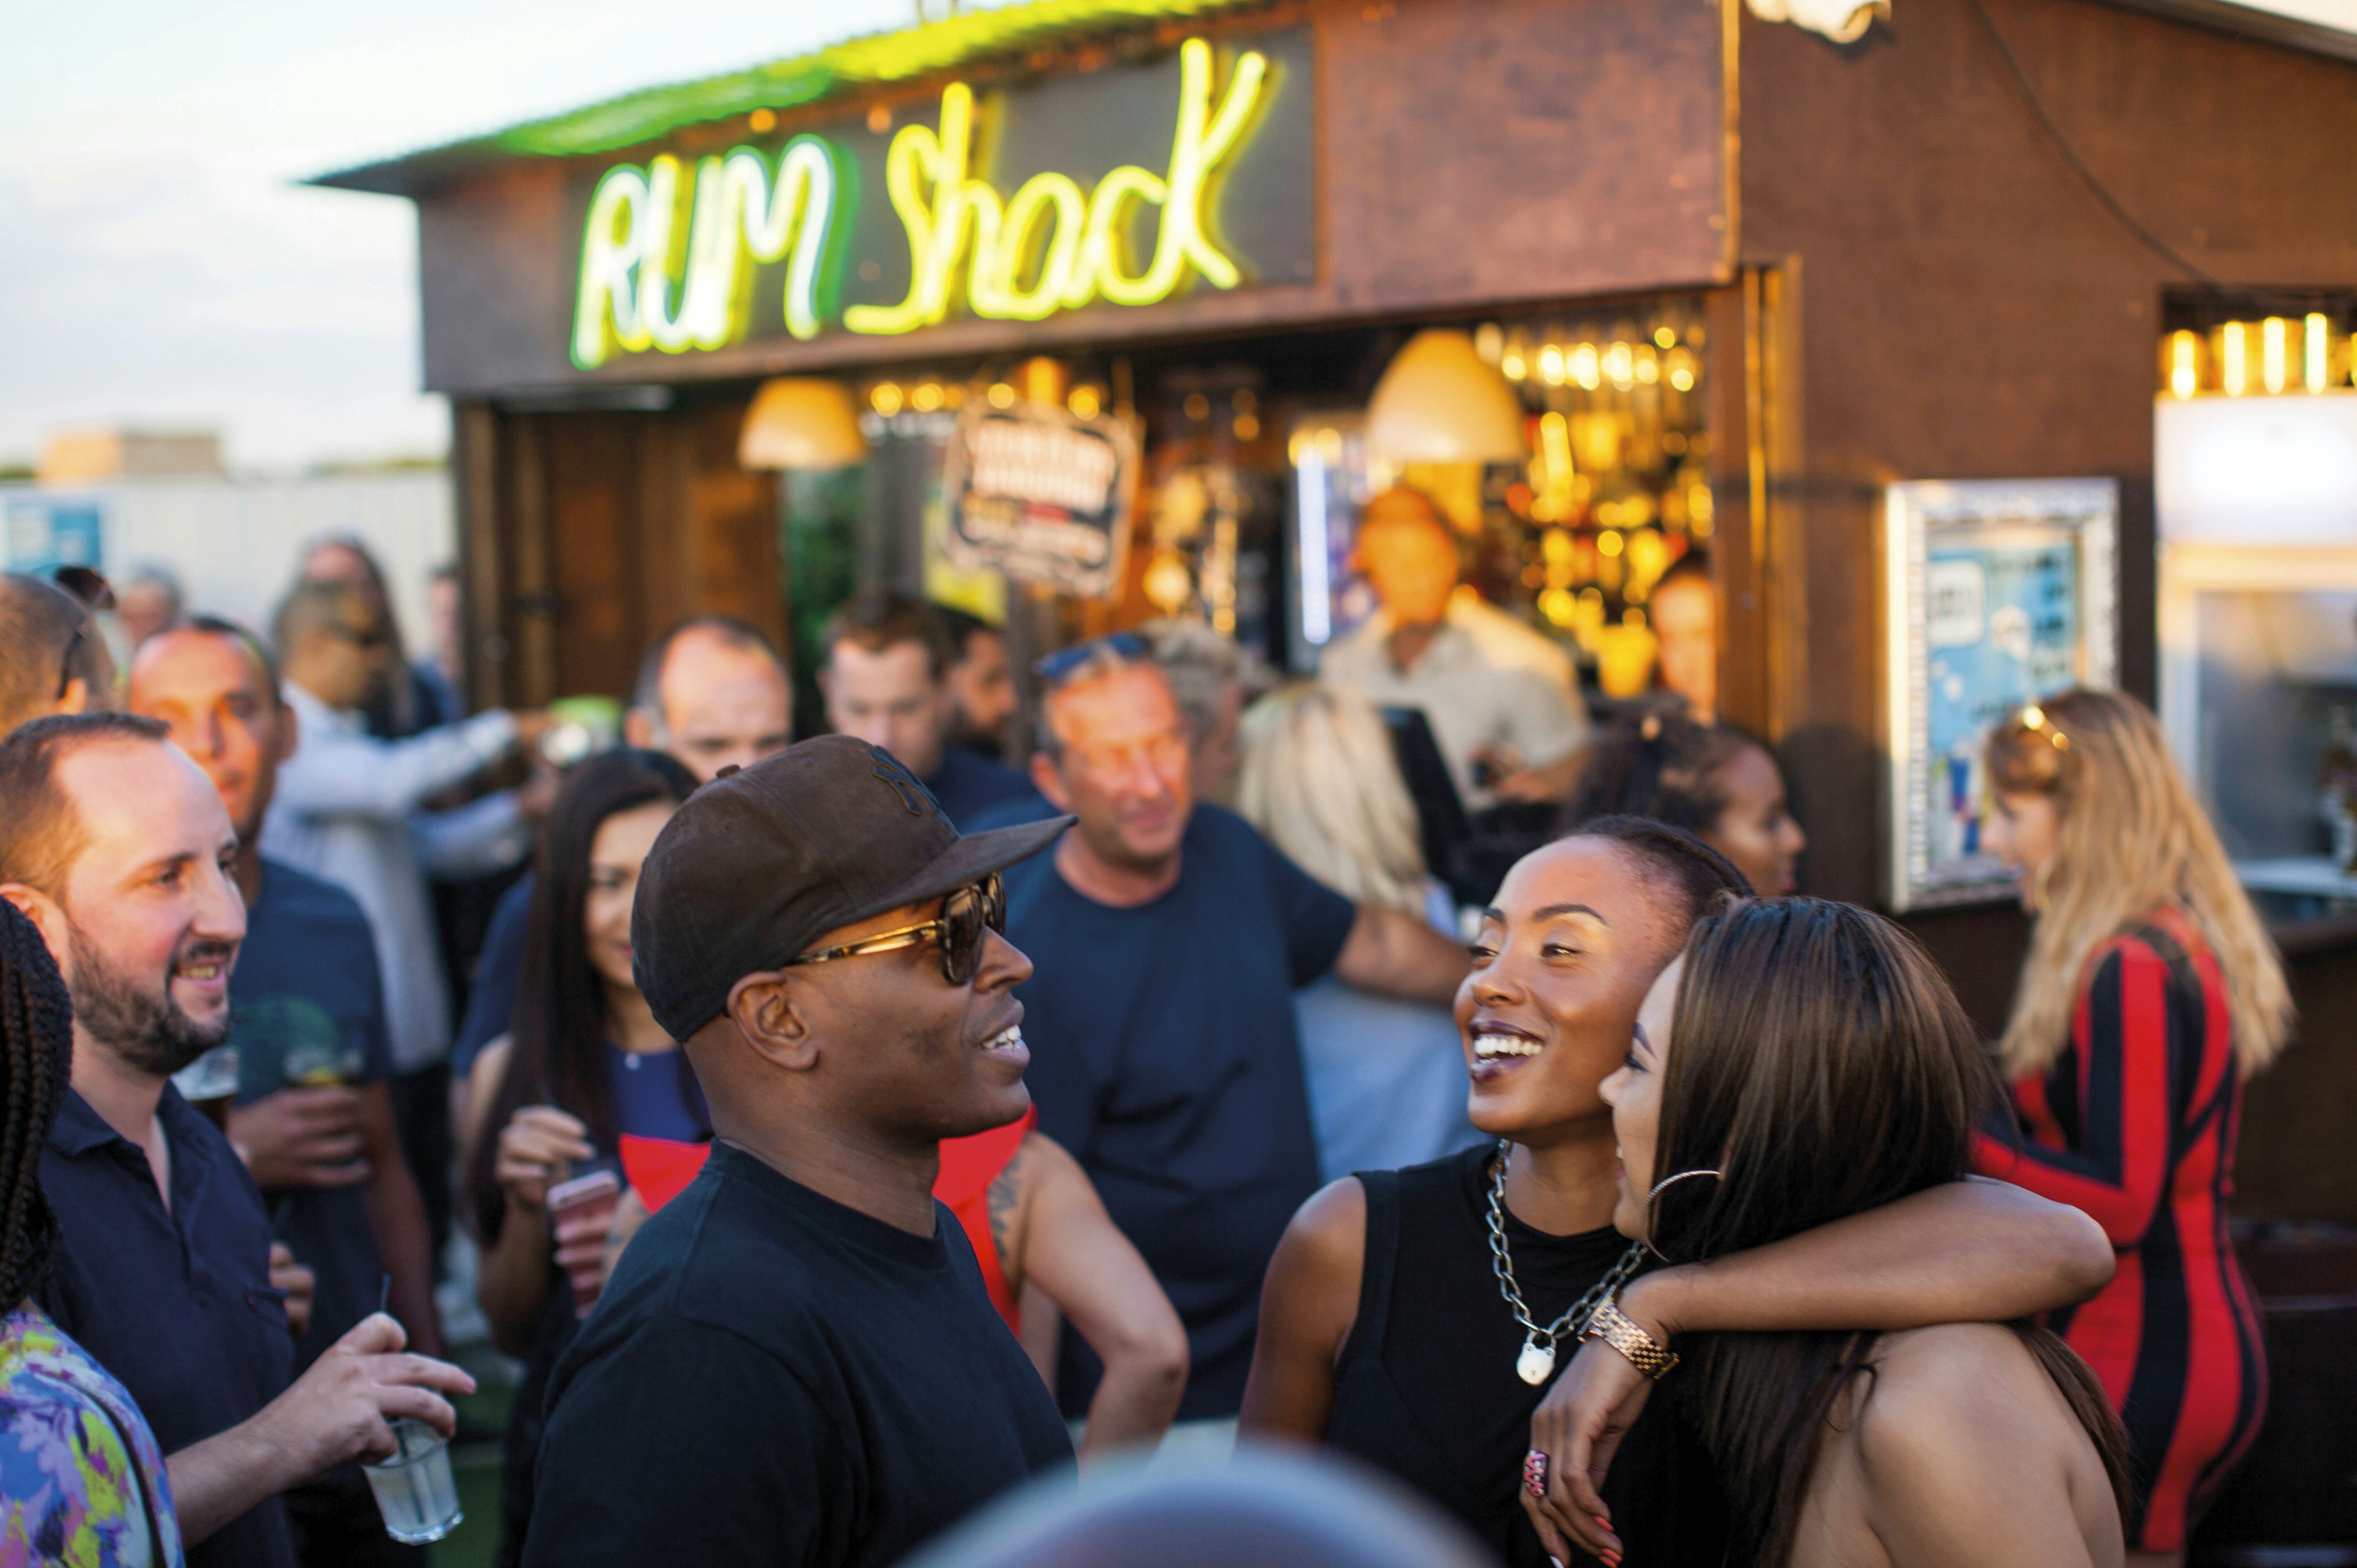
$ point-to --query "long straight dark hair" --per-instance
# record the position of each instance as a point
(557, 1051)
(1820, 1064)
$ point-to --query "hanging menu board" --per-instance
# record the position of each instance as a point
(1042, 495)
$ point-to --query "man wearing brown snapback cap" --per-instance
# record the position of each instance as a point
(796, 1361)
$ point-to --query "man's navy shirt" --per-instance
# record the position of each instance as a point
(305, 992)
(967, 785)
(176, 1305)
(1163, 1056)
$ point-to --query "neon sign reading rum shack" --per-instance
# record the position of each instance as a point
(669, 256)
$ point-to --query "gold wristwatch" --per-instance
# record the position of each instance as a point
(1613, 1327)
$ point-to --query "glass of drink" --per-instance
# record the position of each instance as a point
(212, 1076)
(414, 1486)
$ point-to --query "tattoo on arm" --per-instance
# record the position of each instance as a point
(1004, 1202)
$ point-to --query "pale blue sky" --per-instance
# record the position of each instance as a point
(159, 266)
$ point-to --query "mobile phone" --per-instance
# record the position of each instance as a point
(584, 1189)
(585, 1204)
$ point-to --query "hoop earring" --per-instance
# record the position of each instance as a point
(1653, 1197)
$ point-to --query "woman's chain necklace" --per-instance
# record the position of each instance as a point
(1537, 1363)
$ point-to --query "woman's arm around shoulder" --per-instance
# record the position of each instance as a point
(1971, 1250)
(1963, 1452)
(1307, 1303)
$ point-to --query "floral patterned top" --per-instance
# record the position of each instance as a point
(82, 1482)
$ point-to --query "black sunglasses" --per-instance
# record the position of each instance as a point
(366, 641)
(1059, 666)
(965, 914)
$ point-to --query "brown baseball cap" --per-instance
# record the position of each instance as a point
(760, 862)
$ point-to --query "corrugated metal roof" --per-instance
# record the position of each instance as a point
(877, 59)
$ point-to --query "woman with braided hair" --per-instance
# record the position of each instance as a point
(82, 1480)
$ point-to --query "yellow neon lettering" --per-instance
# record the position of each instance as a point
(635, 247)
(795, 210)
(1058, 198)
(664, 257)
(606, 305)
(1102, 257)
(951, 217)
(660, 258)
(1202, 142)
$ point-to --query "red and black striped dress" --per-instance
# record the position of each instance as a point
(2136, 1124)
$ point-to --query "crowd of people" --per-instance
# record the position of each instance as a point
(840, 1133)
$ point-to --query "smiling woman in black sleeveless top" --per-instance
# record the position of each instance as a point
(1388, 1329)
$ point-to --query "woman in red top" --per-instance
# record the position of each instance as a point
(2151, 992)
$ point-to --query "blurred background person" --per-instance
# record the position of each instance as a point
(1386, 1076)
(400, 702)
(442, 669)
(80, 1474)
(1278, 1510)
(53, 657)
(885, 682)
(585, 1063)
(145, 602)
(2151, 992)
(713, 692)
(1501, 699)
(350, 808)
(1684, 611)
(981, 679)
(1212, 679)
(313, 1119)
(1713, 780)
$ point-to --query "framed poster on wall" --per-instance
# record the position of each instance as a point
(1996, 592)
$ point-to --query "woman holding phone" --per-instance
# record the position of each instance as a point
(585, 1063)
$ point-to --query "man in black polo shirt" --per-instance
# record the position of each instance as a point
(119, 849)
(796, 1362)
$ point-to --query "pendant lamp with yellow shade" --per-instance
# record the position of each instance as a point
(801, 422)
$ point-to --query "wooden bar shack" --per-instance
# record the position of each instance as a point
(1762, 292)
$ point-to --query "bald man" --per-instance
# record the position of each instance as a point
(1502, 700)
(53, 659)
(714, 693)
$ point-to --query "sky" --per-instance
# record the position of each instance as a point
(159, 266)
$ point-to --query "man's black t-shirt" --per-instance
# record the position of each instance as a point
(774, 1378)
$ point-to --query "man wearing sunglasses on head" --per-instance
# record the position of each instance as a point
(53, 659)
(797, 1362)
(1170, 937)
